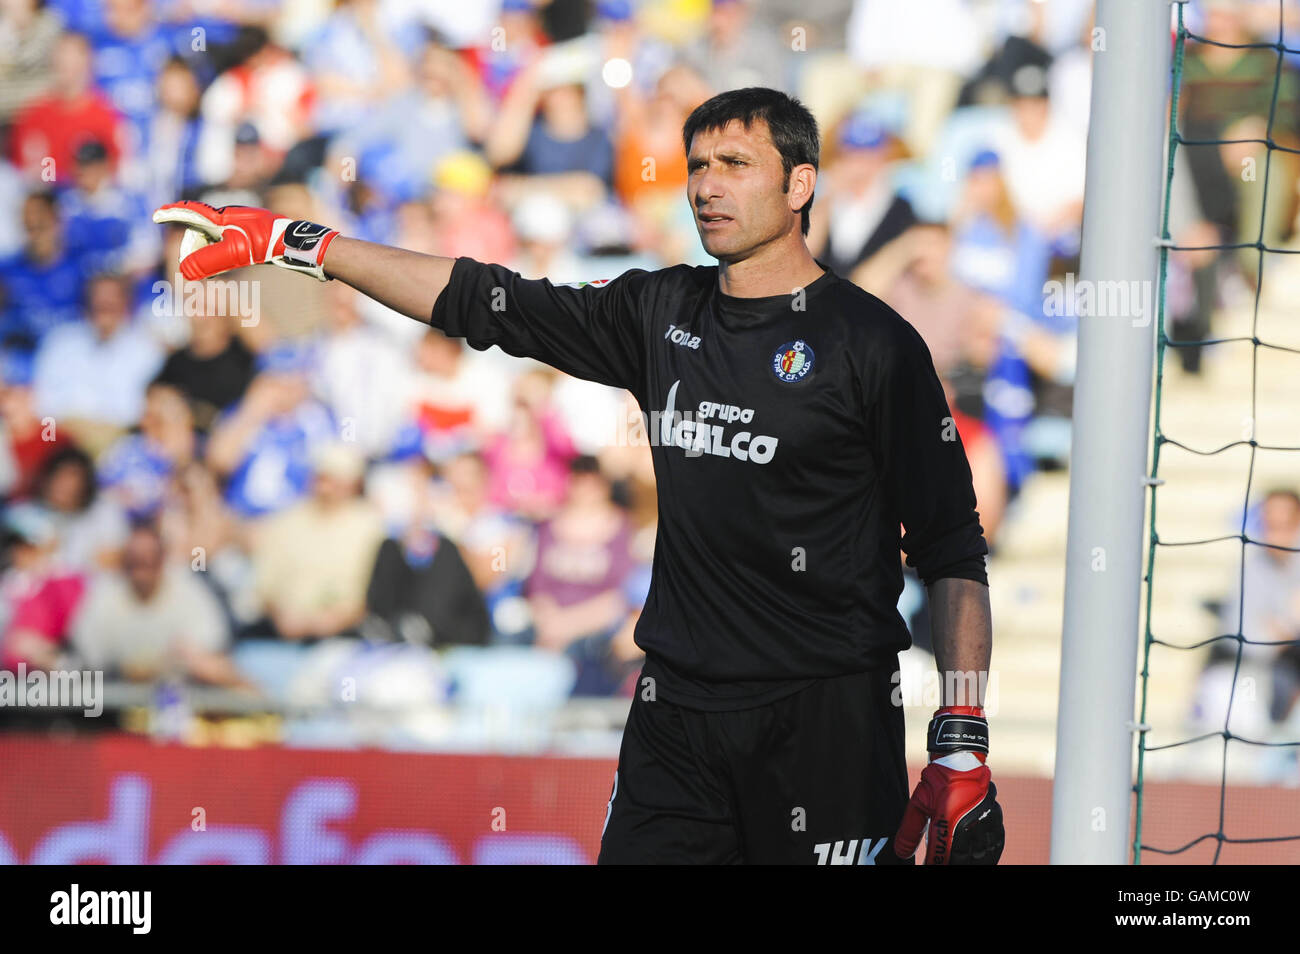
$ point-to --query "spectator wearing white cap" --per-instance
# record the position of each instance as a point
(364, 376)
(544, 226)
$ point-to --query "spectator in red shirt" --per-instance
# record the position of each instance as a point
(44, 594)
(28, 441)
(48, 130)
(988, 472)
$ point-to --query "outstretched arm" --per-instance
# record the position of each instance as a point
(218, 240)
(590, 330)
(407, 282)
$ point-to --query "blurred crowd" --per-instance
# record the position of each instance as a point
(209, 483)
(1250, 683)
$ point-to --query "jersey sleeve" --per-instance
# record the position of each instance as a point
(927, 475)
(592, 330)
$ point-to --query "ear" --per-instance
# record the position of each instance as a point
(803, 180)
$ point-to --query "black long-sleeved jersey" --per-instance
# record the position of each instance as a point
(791, 436)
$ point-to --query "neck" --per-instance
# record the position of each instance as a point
(1223, 56)
(43, 254)
(567, 128)
(588, 507)
(20, 427)
(207, 347)
(777, 269)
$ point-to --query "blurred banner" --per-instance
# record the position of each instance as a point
(125, 800)
(122, 800)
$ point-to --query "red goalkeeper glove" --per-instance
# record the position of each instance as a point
(243, 235)
(956, 796)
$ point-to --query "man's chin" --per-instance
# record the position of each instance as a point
(722, 251)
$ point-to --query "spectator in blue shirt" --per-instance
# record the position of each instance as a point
(137, 469)
(995, 250)
(358, 58)
(264, 444)
(108, 227)
(130, 51)
(446, 111)
(173, 137)
(41, 286)
(92, 374)
(544, 130)
(80, 16)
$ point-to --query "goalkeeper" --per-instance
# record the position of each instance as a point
(796, 422)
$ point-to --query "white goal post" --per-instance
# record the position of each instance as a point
(1092, 793)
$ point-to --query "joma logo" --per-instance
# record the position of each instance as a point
(684, 338)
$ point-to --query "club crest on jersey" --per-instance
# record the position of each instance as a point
(793, 361)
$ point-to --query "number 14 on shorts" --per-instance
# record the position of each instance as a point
(855, 852)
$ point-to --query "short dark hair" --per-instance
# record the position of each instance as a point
(108, 276)
(793, 128)
(148, 526)
(74, 455)
(585, 464)
(45, 197)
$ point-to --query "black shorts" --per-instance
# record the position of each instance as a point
(816, 777)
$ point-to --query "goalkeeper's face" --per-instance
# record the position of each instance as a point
(739, 192)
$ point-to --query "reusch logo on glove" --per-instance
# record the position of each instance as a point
(940, 834)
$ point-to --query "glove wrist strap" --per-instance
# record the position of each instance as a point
(958, 729)
(305, 244)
